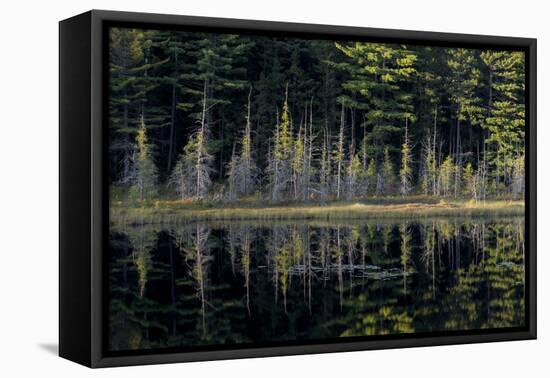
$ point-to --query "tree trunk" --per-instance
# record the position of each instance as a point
(172, 116)
(340, 153)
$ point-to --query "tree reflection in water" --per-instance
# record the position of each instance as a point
(241, 283)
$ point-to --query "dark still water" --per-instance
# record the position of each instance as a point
(241, 283)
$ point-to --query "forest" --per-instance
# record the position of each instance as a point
(200, 118)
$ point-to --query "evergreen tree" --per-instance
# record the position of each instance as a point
(447, 176)
(386, 177)
(298, 166)
(280, 165)
(242, 172)
(338, 157)
(131, 84)
(406, 171)
(464, 83)
(469, 181)
(429, 180)
(518, 177)
(191, 175)
(371, 178)
(233, 175)
(217, 60)
(380, 75)
(505, 120)
(145, 179)
(175, 46)
(325, 169)
(353, 176)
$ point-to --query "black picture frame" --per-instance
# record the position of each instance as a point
(83, 198)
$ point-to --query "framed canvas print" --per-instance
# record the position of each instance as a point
(234, 188)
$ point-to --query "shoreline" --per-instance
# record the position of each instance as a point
(178, 212)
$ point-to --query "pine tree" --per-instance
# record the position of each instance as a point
(175, 46)
(242, 171)
(505, 120)
(131, 83)
(464, 83)
(406, 171)
(191, 175)
(269, 84)
(364, 158)
(370, 178)
(247, 158)
(310, 170)
(338, 157)
(447, 175)
(379, 75)
(280, 164)
(518, 177)
(217, 60)
(325, 169)
(480, 179)
(429, 175)
(469, 181)
(144, 182)
(386, 180)
(353, 176)
(233, 176)
(298, 166)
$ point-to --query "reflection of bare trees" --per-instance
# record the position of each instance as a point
(338, 256)
(193, 244)
(142, 239)
(428, 255)
(345, 279)
(240, 238)
(405, 234)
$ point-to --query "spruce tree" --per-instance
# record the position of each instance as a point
(406, 171)
(192, 173)
(338, 157)
(370, 178)
(325, 169)
(298, 166)
(242, 171)
(280, 164)
(145, 179)
(447, 175)
(386, 184)
(469, 181)
(518, 177)
(429, 180)
(354, 173)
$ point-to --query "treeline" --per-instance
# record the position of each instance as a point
(225, 117)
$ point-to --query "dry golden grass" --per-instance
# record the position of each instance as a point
(178, 211)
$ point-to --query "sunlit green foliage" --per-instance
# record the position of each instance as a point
(323, 120)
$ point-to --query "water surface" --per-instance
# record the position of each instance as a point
(255, 282)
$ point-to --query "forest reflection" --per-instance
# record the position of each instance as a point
(240, 283)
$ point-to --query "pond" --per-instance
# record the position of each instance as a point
(241, 283)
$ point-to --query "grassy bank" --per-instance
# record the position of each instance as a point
(160, 212)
